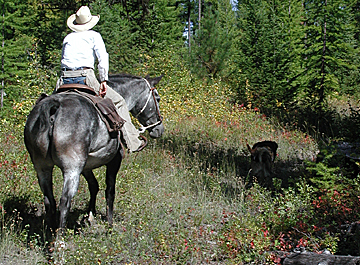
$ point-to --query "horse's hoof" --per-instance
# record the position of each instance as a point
(59, 244)
(91, 219)
(60, 233)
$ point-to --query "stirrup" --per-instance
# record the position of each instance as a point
(141, 147)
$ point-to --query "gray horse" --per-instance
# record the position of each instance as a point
(65, 130)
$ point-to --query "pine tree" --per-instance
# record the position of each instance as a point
(117, 34)
(50, 28)
(330, 48)
(187, 18)
(286, 20)
(133, 30)
(356, 13)
(211, 48)
(169, 31)
(17, 36)
(269, 47)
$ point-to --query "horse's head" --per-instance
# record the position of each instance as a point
(147, 111)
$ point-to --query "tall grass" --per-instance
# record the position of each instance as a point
(183, 199)
(176, 202)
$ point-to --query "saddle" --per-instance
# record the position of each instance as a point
(78, 87)
(104, 106)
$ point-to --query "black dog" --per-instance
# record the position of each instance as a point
(262, 160)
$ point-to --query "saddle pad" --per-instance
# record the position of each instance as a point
(79, 87)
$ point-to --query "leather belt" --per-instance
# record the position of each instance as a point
(76, 69)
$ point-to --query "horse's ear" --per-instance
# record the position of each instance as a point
(154, 81)
(249, 148)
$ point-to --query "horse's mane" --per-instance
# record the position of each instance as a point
(124, 75)
(123, 80)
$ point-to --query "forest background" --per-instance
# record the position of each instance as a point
(233, 72)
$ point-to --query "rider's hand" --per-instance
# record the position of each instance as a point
(102, 91)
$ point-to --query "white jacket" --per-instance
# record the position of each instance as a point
(81, 49)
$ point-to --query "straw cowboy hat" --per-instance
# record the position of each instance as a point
(82, 20)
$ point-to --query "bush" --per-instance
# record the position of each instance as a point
(182, 199)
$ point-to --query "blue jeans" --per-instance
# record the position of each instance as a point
(74, 80)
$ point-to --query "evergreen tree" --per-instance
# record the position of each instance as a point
(118, 36)
(50, 28)
(356, 13)
(18, 20)
(211, 49)
(269, 51)
(330, 49)
(253, 23)
(187, 18)
(166, 16)
(287, 34)
(132, 31)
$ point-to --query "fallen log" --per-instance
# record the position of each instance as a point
(311, 258)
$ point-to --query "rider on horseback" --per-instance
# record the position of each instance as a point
(80, 49)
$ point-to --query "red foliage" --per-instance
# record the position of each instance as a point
(334, 207)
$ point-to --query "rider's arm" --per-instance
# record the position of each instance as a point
(102, 56)
(103, 66)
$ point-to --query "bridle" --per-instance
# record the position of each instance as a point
(151, 93)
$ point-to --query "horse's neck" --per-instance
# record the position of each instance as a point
(131, 95)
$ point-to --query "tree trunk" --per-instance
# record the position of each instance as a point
(2, 61)
(310, 258)
(189, 25)
(322, 85)
(199, 13)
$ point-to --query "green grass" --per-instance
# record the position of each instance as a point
(183, 199)
(163, 213)
(178, 201)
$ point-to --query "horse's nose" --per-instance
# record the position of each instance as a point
(157, 131)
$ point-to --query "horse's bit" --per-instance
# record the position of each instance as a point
(151, 93)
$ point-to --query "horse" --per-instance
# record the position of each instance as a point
(65, 129)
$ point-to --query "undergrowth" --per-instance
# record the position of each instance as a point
(183, 199)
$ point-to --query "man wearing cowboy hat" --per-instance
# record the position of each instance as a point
(80, 49)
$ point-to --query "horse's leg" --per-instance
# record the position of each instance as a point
(93, 188)
(112, 169)
(70, 187)
(44, 175)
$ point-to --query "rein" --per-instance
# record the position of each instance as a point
(151, 93)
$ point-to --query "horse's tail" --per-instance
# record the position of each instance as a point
(47, 118)
(39, 127)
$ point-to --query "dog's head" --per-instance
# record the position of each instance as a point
(262, 159)
(261, 147)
